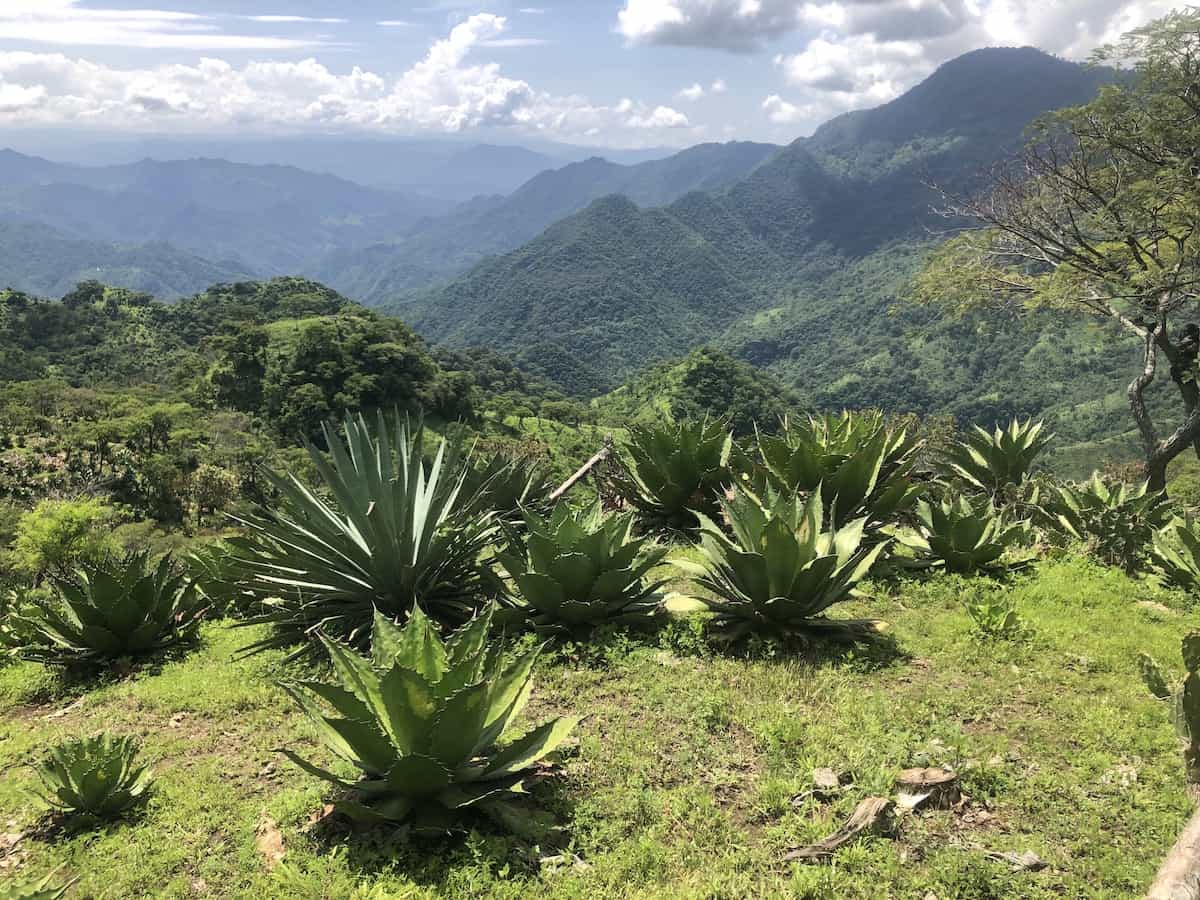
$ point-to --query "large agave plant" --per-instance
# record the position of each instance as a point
(507, 485)
(997, 460)
(108, 611)
(674, 469)
(1117, 521)
(393, 532)
(782, 569)
(421, 720)
(576, 570)
(94, 778)
(964, 535)
(1175, 552)
(861, 466)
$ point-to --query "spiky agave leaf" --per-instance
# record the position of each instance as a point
(94, 778)
(965, 535)
(782, 568)
(861, 466)
(507, 485)
(576, 570)
(394, 532)
(1175, 552)
(43, 888)
(995, 461)
(109, 610)
(421, 721)
(675, 469)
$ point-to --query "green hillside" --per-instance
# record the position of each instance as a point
(444, 246)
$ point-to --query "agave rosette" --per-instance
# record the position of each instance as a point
(109, 610)
(997, 460)
(421, 721)
(964, 535)
(576, 570)
(781, 568)
(95, 778)
(393, 532)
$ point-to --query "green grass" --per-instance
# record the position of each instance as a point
(687, 764)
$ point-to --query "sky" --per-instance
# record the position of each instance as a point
(605, 73)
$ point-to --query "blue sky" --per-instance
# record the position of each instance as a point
(624, 73)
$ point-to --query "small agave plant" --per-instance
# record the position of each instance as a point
(861, 466)
(576, 570)
(997, 460)
(108, 611)
(1175, 553)
(1183, 697)
(675, 469)
(420, 720)
(94, 779)
(507, 485)
(783, 568)
(964, 535)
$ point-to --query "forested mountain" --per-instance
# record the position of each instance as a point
(39, 260)
(794, 266)
(450, 244)
(269, 219)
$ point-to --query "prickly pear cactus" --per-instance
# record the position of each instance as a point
(1184, 699)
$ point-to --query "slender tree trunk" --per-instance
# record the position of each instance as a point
(1155, 468)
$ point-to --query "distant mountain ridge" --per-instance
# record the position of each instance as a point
(38, 260)
(599, 295)
(442, 247)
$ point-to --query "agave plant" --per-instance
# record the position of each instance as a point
(964, 535)
(94, 779)
(861, 467)
(1175, 552)
(782, 569)
(35, 888)
(995, 461)
(996, 618)
(1117, 521)
(507, 484)
(393, 532)
(421, 720)
(576, 570)
(675, 469)
(107, 611)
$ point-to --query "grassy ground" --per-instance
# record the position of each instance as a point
(692, 769)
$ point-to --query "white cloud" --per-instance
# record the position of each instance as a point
(395, 23)
(65, 22)
(780, 111)
(695, 92)
(295, 19)
(533, 10)
(444, 91)
(719, 86)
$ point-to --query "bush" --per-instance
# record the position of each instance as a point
(93, 779)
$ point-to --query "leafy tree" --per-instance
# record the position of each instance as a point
(1099, 215)
(51, 538)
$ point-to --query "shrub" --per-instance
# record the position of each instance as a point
(394, 532)
(108, 611)
(782, 569)
(56, 535)
(1118, 522)
(995, 461)
(93, 779)
(996, 617)
(581, 569)
(674, 470)
(421, 719)
(861, 466)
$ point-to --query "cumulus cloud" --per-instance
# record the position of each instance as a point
(444, 91)
(780, 111)
(719, 86)
(727, 24)
(695, 92)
